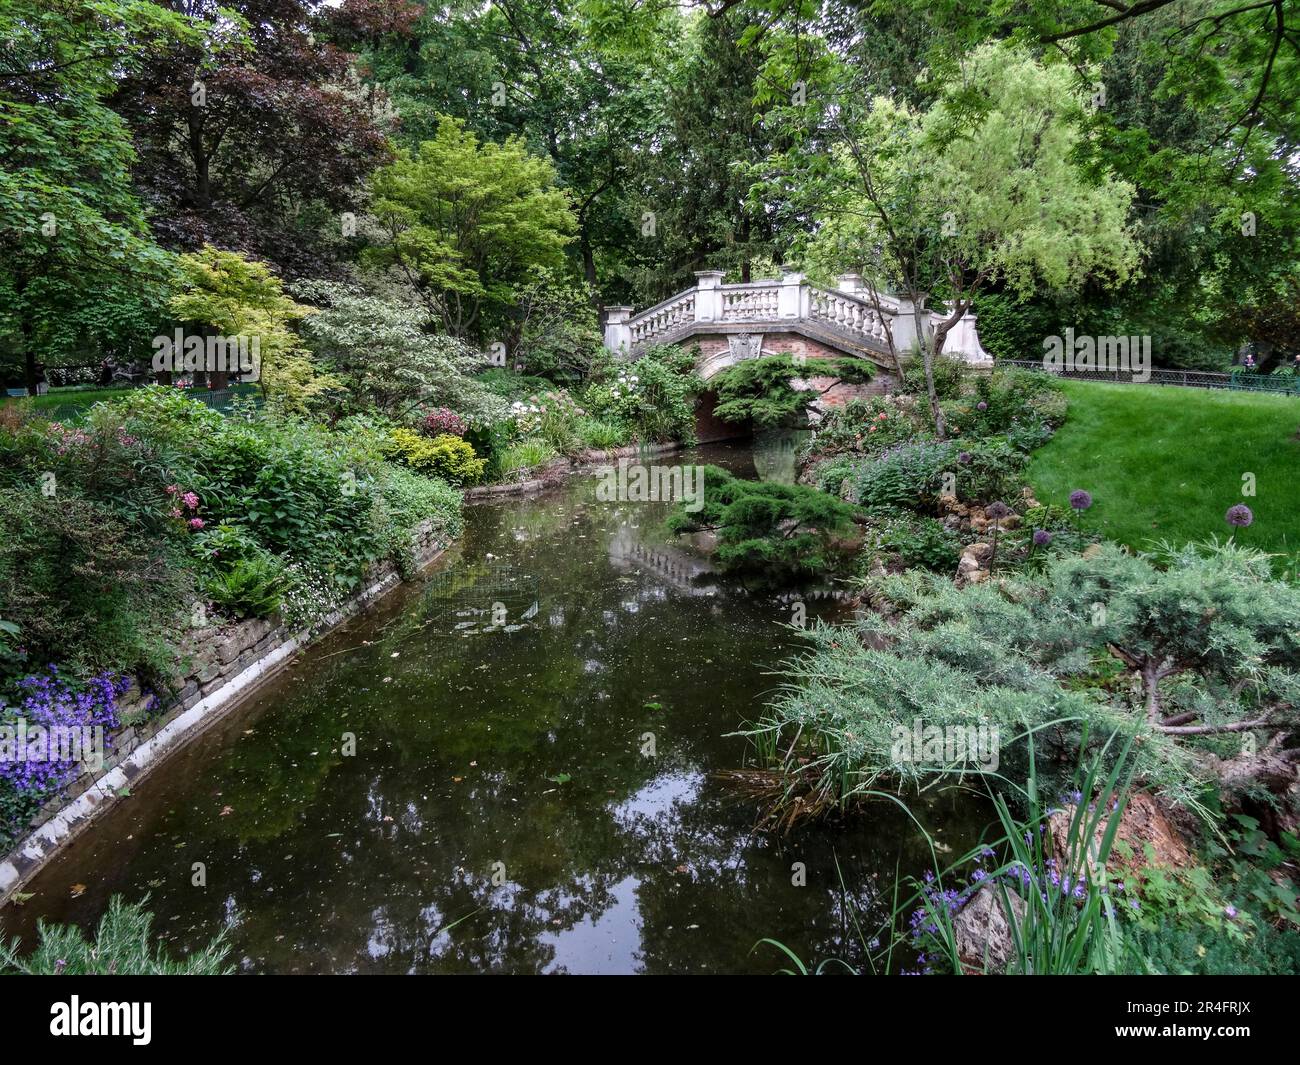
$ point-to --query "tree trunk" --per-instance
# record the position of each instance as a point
(931, 347)
(29, 355)
(202, 181)
(588, 262)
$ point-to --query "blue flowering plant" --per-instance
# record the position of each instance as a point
(36, 759)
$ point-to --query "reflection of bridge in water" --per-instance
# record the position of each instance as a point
(675, 566)
(683, 569)
(494, 595)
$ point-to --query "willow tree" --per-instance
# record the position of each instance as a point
(981, 187)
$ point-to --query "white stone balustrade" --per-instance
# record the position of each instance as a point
(847, 311)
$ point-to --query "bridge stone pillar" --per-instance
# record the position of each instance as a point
(905, 338)
(850, 283)
(708, 295)
(789, 300)
(618, 334)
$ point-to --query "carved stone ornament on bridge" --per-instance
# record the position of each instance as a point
(745, 345)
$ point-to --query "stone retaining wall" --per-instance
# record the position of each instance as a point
(216, 668)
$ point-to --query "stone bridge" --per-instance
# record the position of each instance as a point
(734, 322)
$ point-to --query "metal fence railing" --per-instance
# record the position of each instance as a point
(220, 399)
(1238, 380)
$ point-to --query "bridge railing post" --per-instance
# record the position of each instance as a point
(618, 334)
(904, 325)
(708, 295)
(793, 297)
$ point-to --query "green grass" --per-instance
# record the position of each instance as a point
(68, 404)
(81, 397)
(1167, 463)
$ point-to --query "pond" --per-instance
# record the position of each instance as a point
(538, 726)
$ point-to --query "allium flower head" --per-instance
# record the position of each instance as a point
(1080, 500)
(1239, 516)
(998, 510)
(964, 457)
(981, 405)
(1042, 538)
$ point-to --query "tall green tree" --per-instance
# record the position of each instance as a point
(80, 275)
(467, 223)
(981, 187)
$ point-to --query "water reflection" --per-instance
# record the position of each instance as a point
(499, 814)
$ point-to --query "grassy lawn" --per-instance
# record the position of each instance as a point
(59, 397)
(66, 404)
(1166, 463)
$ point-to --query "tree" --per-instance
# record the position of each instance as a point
(981, 187)
(578, 85)
(382, 352)
(241, 297)
(761, 390)
(249, 138)
(77, 264)
(467, 224)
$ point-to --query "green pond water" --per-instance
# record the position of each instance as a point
(500, 813)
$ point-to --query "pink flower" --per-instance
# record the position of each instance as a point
(190, 500)
(196, 523)
(172, 489)
(174, 512)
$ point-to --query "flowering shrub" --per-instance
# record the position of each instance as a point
(653, 396)
(442, 421)
(866, 426)
(184, 508)
(309, 597)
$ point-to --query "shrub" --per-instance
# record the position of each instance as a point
(444, 456)
(949, 376)
(776, 530)
(441, 421)
(865, 426)
(915, 541)
(759, 391)
(654, 396)
(122, 946)
(1205, 639)
(408, 500)
(86, 587)
(906, 476)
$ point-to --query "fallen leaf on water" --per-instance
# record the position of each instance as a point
(457, 780)
(19, 897)
(226, 811)
(78, 890)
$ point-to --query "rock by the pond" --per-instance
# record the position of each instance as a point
(1145, 837)
(972, 567)
(982, 933)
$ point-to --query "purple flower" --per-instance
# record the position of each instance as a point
(997, 510)
(1230, 911)
(1080, 500)
(981, 405)
(1042, 538)
(1239, 516)
(47, 708)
